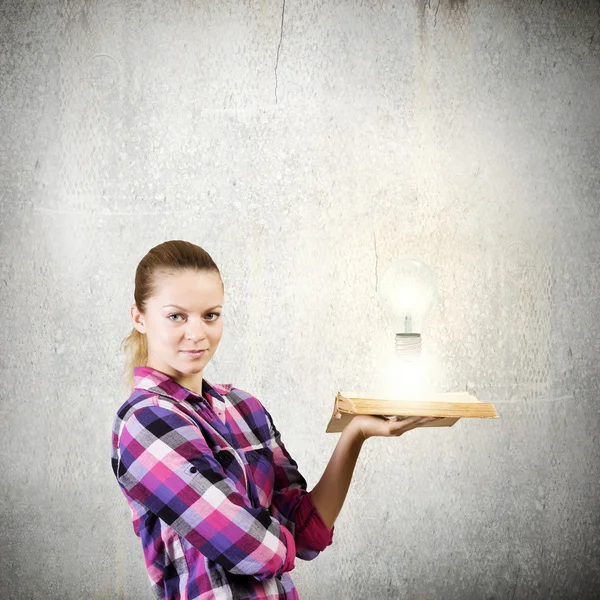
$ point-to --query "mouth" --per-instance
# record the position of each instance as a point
(194, 352)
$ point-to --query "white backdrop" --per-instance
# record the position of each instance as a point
(305, 146)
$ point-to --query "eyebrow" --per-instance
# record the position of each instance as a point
(186, 310)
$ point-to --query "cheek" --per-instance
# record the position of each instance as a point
(170, 337)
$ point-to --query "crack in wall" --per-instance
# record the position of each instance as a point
(278, 48)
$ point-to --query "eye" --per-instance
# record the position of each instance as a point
(178, 314)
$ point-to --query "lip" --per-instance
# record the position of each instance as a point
(193, 352)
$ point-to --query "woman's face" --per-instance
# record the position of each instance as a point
(185, 314)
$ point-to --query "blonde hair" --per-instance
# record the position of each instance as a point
(166, 259)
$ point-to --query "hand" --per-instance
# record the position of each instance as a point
(366, 426)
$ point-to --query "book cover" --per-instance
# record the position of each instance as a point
(450, 405)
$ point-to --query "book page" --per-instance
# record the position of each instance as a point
(435, 397)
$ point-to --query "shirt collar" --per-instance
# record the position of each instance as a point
(147, 378)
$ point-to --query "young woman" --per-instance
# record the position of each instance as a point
(219, 504)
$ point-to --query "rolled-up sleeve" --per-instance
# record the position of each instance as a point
(166, 465)
(292, 504)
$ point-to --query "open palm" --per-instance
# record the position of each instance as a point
(368, 426)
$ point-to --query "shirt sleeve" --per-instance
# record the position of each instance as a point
(292, 504)
(166, 465)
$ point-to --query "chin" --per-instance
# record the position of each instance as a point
(193, 366)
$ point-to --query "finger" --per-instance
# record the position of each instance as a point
(394, 418)
(413, 425)
(406, 420)
(428, 419)
(408, 423)
(405, 424)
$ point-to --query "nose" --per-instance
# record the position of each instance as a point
(195, 330)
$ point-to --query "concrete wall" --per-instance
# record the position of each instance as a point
(306, 145)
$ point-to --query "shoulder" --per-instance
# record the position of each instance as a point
(222, 388)
(144, 403)
(253, 411)
(238, 396)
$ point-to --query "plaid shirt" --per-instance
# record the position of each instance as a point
(218, 502)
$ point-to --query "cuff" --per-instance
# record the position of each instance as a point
(311, 531)
(290, 543)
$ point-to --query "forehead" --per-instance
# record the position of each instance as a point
(189, 289)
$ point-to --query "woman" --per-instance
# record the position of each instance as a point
(219, 504)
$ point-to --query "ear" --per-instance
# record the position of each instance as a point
(137, 318)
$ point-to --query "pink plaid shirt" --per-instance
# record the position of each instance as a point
(218, 502)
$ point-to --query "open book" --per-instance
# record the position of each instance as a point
(450, 405)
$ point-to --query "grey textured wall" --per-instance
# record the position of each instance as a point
(306, 145)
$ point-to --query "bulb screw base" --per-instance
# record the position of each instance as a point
(408, 346)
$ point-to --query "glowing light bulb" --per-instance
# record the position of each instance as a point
(407, 291)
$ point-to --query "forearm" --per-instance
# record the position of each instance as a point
(329, 494)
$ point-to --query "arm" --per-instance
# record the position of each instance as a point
(292, 505)
(329, 494)
(166, 465)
